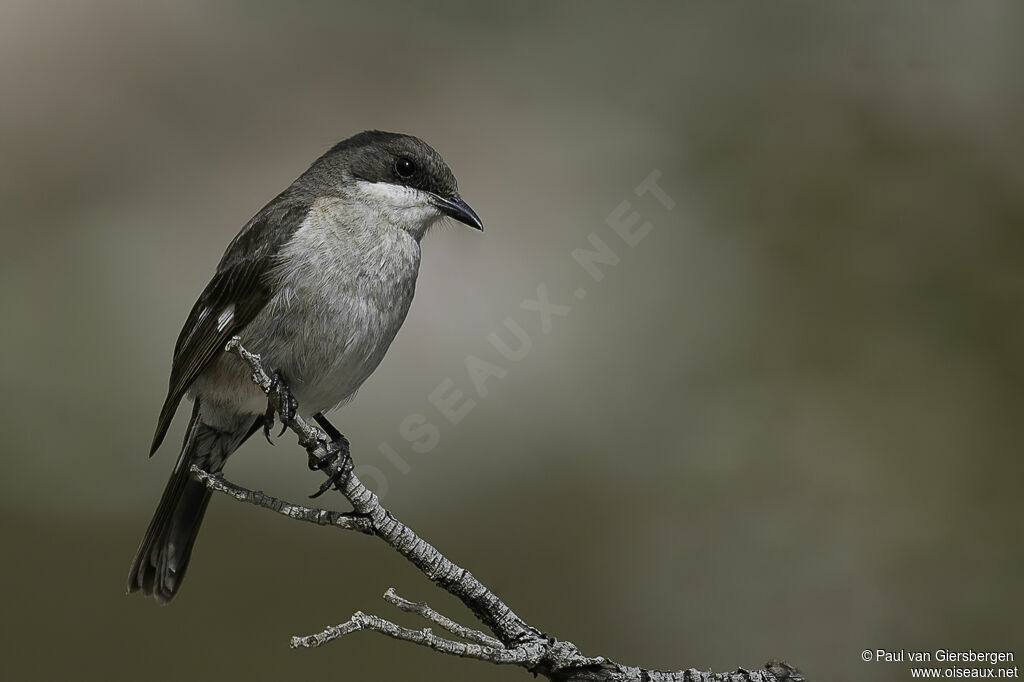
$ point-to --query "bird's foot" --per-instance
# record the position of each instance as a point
(340, 475)
(289, 406)
(337, 448)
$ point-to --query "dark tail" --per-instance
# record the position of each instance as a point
(159, 566)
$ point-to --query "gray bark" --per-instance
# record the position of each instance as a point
(514, 642)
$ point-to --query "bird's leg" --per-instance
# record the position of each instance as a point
(289, 406)
(330, 429)
(338, 447)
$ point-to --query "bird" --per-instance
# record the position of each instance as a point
(318, 283)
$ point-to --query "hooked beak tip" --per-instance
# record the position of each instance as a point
(455, 207)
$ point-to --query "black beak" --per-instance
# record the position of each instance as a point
(455, 207)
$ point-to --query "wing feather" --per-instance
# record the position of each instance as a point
(241, 283)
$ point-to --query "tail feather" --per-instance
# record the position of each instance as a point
(159, 565)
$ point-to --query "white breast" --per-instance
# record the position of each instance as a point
(348, 280)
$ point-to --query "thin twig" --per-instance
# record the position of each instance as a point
(421, 609)
(522, 655)
(321, 517)
(509, 628)
(517, 642)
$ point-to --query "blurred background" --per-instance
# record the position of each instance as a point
(785, 424)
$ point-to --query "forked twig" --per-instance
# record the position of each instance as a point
(515, 642)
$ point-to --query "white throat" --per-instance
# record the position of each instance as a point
(406, 208)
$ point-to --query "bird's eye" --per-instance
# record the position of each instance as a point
(404, 167)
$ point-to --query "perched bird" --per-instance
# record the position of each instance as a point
(318, 283)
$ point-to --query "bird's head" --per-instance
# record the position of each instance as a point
(400, 176)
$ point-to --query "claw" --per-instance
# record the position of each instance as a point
(324, 487)
(289, 406)
(315, 463)
(321, 463)
(337, 479)
(338, 446)
(268, 422)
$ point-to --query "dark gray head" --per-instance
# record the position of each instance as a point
(406, 164)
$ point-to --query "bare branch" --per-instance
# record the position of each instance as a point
(524, 654)
(421, 609)
(321, 517)
(516, 642)
(485, 605)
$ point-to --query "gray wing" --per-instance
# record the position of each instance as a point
(241, 281)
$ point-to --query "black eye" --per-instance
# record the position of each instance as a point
(404, 167)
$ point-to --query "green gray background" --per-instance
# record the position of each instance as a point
(785, 424)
